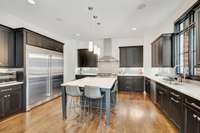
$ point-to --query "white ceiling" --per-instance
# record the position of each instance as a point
(68, 17)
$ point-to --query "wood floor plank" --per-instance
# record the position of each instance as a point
(134, 113)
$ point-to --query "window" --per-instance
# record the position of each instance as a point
(186, 46)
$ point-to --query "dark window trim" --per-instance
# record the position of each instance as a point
(190, 13)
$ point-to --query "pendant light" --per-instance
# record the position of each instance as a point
(91, 46)
(95, 49)
(98, 51)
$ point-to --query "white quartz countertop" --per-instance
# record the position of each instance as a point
(105, 83)
(10, 83)
(190, 89)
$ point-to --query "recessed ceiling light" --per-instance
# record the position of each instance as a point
(133, 28)
(77, 34)
(141, 6)
(98, 23)
(32, 2)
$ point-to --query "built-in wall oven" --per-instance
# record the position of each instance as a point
(44, 75)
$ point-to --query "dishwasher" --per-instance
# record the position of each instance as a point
(153, 91)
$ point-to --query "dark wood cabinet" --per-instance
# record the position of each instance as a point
(7, 47)
(131, 83)
(86, 58)
(11, 100)
(191, 115)
(77, 76)
(131, 56)
(25, 37)
(162, 95)
(162, 51)
(38, 40)
(175, 108)
(147, 86)
(2, 112)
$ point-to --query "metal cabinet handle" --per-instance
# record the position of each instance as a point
(198, 118)
(194, 116)
(196, 106)
(160, 92)
(9, 95)
(176, 95)
(5, 90)
(174, 100)
(5, 96)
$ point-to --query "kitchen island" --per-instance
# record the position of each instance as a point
(105, 84)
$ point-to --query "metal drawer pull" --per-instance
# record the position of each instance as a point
(194, 116)
(172, 93)
(198, 118)
(5, 90)
(176, 101)
(160, 92)
(196, 106)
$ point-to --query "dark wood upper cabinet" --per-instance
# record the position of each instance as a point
(131, 56)
(38, 40)
(7, 47)
(162, 51)
(25, 37)
(86, 58)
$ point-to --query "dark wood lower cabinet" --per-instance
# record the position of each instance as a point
(147, 86)
(131, 83)
(175, 108)
(10, 100)
(192, 120)
(162, 98)
(1, 106)
(191, 115)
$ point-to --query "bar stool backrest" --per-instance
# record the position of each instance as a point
(92, 92)
(73, 91)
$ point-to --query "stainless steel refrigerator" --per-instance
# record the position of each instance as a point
(44, 71)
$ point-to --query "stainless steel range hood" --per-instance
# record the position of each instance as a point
(107, 56)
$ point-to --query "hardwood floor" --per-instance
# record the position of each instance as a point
(134, 113)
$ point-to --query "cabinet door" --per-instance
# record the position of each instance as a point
(91, 59)
(138, 84)
(2, 108)
(13, 100)
(33, 39)
(176, 111)
(166, 52)
(123, 57)
(7, 48)
(147, 86)
(191, 121)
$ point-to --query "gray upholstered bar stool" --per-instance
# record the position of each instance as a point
(94, 93)
(75, 93)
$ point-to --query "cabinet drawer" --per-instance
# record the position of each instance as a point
(193, 103)
(9, 88)
(175, 94)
